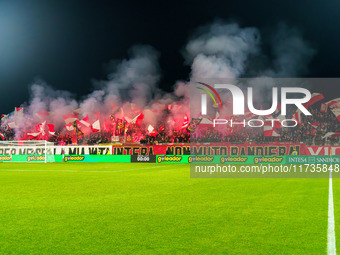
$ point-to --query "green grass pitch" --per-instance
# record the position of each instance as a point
(90, 208)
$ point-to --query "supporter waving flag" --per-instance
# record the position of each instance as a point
(316, 97)
(331, 135)
(152, 131)
(70, 118)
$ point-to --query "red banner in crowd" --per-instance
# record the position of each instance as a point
(322, 150)
(151, 150)
(272, 149)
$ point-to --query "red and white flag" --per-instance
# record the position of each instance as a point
(334, 103)
(86, 121)
(50, 128)
(314, 124)
(323, 107)
(12, 125)
(34, 134)
(316, 97)
(152, 131)
(186, 122)
(268, 130)
(77, 111)
(4, 117)
(19, 111)
(42, 128)
(2, 136)
(297, 116)
(84, 125)
(69, 127)
(70, 118)
(206, 121)
(39, 130)
(331, 135)
(96, 126)
(138, 119)
(336, 112)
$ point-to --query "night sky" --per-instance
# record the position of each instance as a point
(68, 44)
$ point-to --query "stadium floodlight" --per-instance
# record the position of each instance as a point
(28, 151)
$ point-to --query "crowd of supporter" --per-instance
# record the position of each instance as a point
(303, 133)
(163, 137)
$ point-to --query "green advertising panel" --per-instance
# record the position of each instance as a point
(5, 158)
(31, 158)
(313, 159)
(172, 159)
(220, 159)
(66, 158)
(217, 159)
(98, 158)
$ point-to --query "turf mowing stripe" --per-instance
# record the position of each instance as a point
(331, 249)
(75, 171)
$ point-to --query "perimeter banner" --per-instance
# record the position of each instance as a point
(67, 158)
(273, 149)
(151, 150)
(98, 158)
(221, 159)
(55, 150)
(322, 150)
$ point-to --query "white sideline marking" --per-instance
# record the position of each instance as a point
(331, 248)
(80, 171)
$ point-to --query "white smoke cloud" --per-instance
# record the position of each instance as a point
(221, 50)
(135, 79)
(216, 51)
